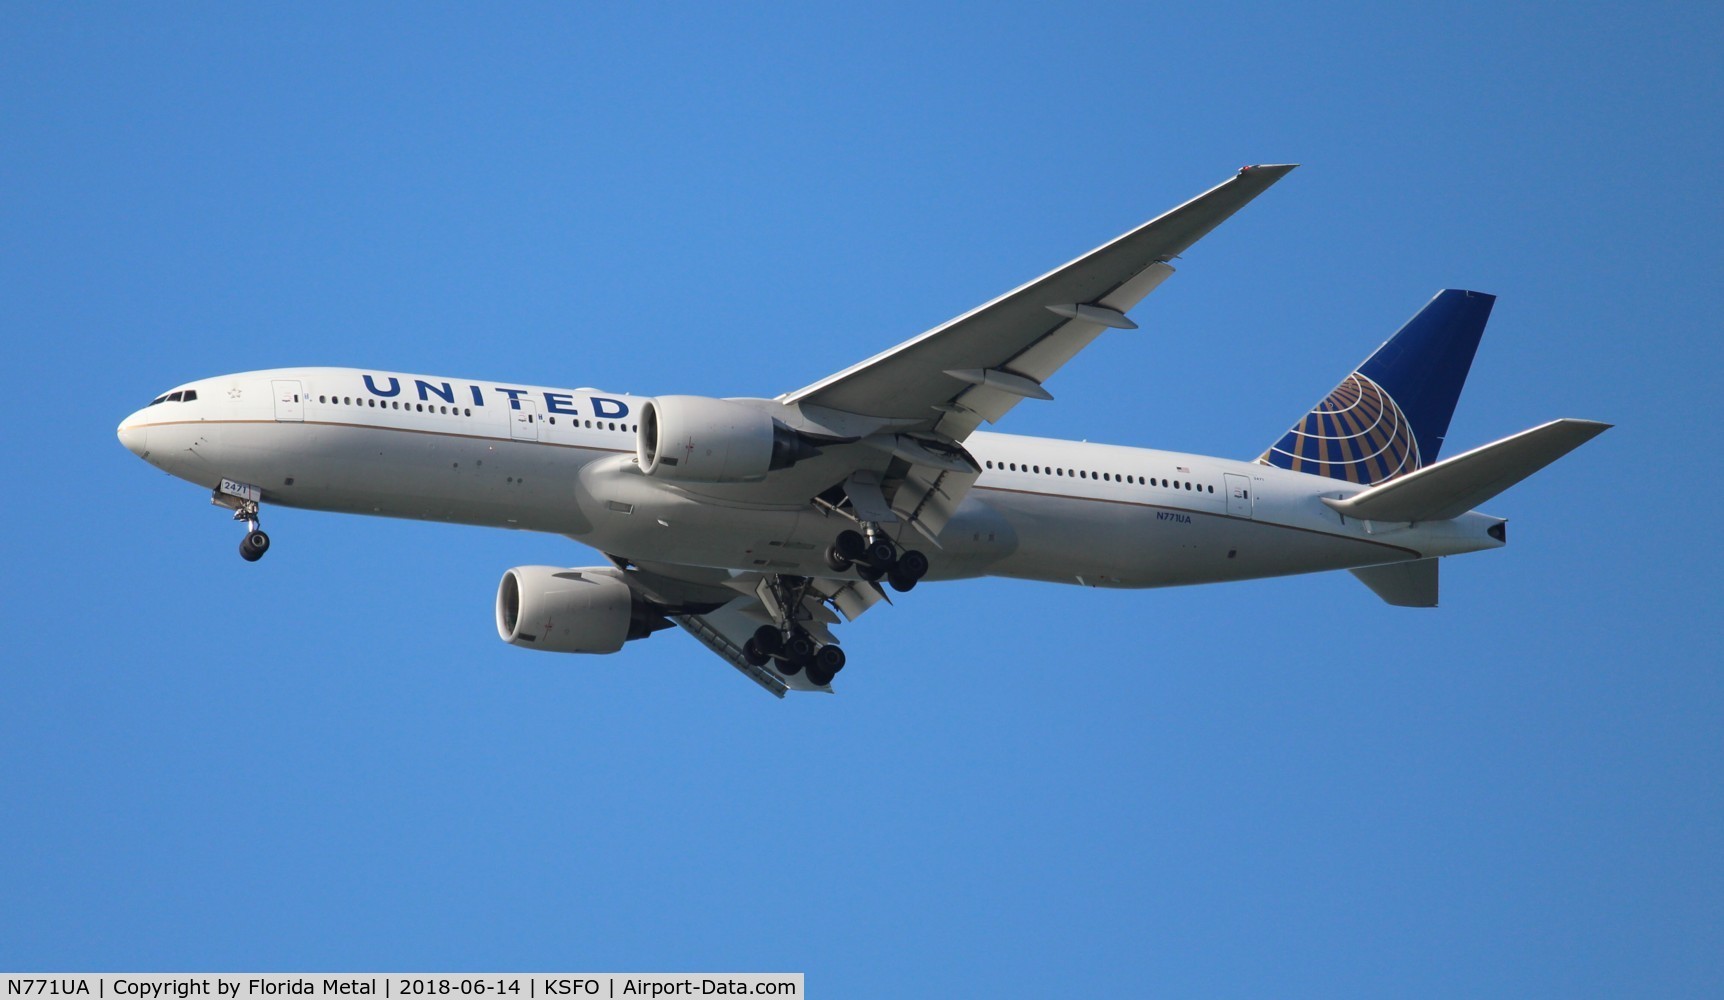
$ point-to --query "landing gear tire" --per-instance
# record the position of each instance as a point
(825, 666)
(837, 561)
(869, 572)
(768, 640)
(800, 647)
(912, 566)
(253, 546)
(851, 545)
(901, 583)
(881, 553)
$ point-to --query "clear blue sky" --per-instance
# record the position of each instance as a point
(1285, 788)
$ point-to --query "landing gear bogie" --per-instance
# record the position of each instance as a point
(876, 557)
(786, 643)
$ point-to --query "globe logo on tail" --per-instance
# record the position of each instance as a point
(1357, 433)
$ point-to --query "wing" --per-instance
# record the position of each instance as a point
(978, 366)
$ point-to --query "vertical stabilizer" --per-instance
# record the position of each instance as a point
(1390, 416)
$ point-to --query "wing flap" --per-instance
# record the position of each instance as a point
(1456, 485)
(929, 497)
(710, 630)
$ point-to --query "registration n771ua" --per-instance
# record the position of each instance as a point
(758, 525)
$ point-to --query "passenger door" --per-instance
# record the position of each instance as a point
(1239, 503)
(289, 403)
(524, 420)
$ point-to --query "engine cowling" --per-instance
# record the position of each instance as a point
(582, 610)
(696, 439)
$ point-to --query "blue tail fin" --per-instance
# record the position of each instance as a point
(1389, 417)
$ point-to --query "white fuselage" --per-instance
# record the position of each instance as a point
(562, 461)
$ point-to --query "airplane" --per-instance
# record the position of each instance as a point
(757, 525)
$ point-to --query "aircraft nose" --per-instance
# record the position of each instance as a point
(134, 437)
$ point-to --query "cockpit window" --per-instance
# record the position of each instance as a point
(182, 396)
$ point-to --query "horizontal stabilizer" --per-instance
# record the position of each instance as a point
(1404, 584)
(1454, 486)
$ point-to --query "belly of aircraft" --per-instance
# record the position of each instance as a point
(1107, 544)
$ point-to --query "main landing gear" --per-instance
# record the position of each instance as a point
(786, 643)
(874, 556)
(796, 652)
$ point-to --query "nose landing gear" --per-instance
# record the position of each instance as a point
(874, 556)
(243, 501)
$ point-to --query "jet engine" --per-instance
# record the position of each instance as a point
(696, 439)
(583, 610)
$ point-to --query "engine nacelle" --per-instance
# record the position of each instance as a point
(583, 610)
(696, 439)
